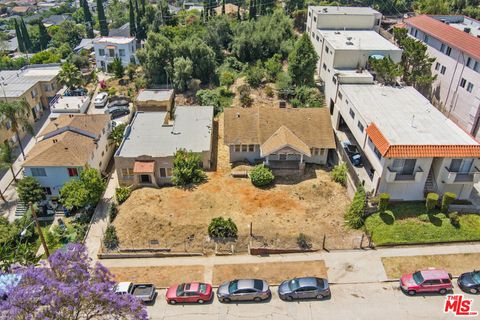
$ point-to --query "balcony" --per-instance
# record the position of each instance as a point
(393, 176)
(452, 177)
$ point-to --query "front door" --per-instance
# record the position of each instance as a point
(145, 178)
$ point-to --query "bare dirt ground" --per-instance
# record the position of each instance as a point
(456, 264)
(273, 272)
(258, 95)
(178, 218)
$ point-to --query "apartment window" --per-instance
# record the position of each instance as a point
(244, 148)
(47, 191)
(326, 49)
(166, 172)
(442, 48)
(72, 172)
(309, 13)
(334, 80)
(46, 87)
(101, 52)
(318, 39)
(340, 96)
(315, 19)
(352, 113)
(121, 52)
(315, 151)
(404, 167)
(463, 82)
(415, 33)
(360, 126)
(251, 148)
(449, 51)
(324, 66)
(111, 52)
(437, 66)
(237, 148)
(100, 164)
(470, 87)
(38, 172)
(33, 93)
(476, 66)
(469, 62)
(443, 69)
(461, 165)
(425, 38)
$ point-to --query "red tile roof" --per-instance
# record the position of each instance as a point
(419, 151)
(144, 167)
(452, 36)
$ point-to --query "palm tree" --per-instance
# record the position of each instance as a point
(70, 76)
(7, 159)
(15, 115)
(116, 136)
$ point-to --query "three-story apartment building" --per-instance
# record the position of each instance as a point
(108, 48)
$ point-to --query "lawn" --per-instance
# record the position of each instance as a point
(456, 264)
(409, 223)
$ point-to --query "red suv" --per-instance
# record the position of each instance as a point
(430, 280)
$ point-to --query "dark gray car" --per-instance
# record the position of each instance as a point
(244, 290)
(304, 288)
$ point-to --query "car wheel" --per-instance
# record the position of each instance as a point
(411, 292)
(442, 291)
(257, 299)
(473, 290)
(172, 301)
(200, 301)
(226, 300)
(289, 298)
(320, 297)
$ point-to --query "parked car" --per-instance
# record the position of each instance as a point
(189, 292)
(118, 103)
(470, 281)
(116, 112)
(430, 280)
(101, 100)
(353, 153)
(144, 292)
(244, 290)
(304, 288)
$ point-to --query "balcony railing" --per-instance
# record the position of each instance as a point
(393, 176)
(461, 177)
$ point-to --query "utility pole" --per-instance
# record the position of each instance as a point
(39, 230)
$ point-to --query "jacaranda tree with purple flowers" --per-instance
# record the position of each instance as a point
(68, 287)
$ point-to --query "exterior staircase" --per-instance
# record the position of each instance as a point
(430, 185)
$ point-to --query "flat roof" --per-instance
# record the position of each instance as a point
(155, 95)
(404, 116)
(148, 135)
(113, 40)
(333, 10)
(16, 82)
(70, 103)
(357, 40)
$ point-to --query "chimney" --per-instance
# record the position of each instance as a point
(55, 140)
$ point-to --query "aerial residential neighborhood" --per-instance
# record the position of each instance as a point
(239, 160)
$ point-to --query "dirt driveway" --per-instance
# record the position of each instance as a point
(178, 218)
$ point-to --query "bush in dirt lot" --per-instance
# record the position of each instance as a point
(269, 91)
(454, 219)
(255, 75)
(431, 201)
(227, 78)
(354, 215)
(303, 242)
(383, 202)
(447, 199)
(244, 92)
(339, 173)
(122, 194)
(112, 212)
(261, 176)
(222, 228)
(110, 239)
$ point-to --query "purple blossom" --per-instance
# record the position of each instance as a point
(69, 287)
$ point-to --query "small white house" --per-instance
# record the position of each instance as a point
(107, 48)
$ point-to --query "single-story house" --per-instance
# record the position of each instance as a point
(155, 100)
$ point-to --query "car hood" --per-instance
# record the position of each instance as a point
(284, 288)
(172, 292)
(223, 289)
(407, 280)
(467, 279)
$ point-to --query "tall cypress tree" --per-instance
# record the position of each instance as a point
(133, 30)
(223, 7)
(18, 33)
(44, 37)
(140, 31)
(142, 3)
(26, 37)
(88, 19)
(102, 20)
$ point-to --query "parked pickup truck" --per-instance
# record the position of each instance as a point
(143, 292)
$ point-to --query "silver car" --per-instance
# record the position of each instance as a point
(244, 290)
(304, 288)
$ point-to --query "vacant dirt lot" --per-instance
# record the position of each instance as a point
(178, 218)
(161, 277)
(456, 264)
(272, 272)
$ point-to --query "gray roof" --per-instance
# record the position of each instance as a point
(334, 10)
(56, 19)
(155, 95)
(16, 82)
(123, 31)
(86, 44)
(149, 135)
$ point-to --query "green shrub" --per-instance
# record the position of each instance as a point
(454, 219)
(273, 67)
(269, 91)
(261, 176)
(186, 168)
(255, 75)
(303, 242)
(112, 212)
(354, 215)
(383, 202)
(284, 86)
(244, 92)
(431, 201)
(339, 174)
(222, 228)
(110, 239)
(309, 97)
(122, 194)
(227, 78)
(447, 199)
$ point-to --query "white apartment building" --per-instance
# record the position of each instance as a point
(454, 42)
(107, 48)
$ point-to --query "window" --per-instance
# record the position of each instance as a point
(425, 38)
(33, 93)
(415, 33)
(463, 82)
(326, 49)
(46, 87)
(443, 69)
(111, 52)
(322, 151)
(237, 148)
(375, 150)
(315, 19)
(309, 13)
(315, 151)
(101, 52)
(352, 113)
(404, 166)
(38, 172)
(72, 172)
(127, 173)
(449, 51)
(360, 126)
(442, 48)
(251, 148)
(318, 39)
(166, 172)
(121, 52)
(324, 66)
(437, 66)
(47, 191)
(476, 66)
(470, 87)
(461, 165)
(334, 80)
(469, 62)
(244, 147)
(340, 96)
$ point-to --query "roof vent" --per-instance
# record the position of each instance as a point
(337, 32)
(466, 29)
(325, 10)
(349, 38)
(349, 43)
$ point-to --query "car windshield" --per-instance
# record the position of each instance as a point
(417, 277)
(232, 287)
(293, 284)
(476, 277)
(202, 288)
(180, 289)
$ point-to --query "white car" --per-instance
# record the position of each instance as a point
(101, 100)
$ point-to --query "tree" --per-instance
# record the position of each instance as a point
(302, 62)
(70, 76)
(202, 57)
(273, 67)
(72, 287)
(387, 70)
(186, 168)
(102, 20)
(223, 7)
(244, 92)
(27, 42)
(252, 11)
(116, 136)
(182, 73)
(88, 19)
(44, 36)
(18, 33)
(117, 68)
(222, 228)
(141, 32)
(30, 190)
(433, 6)
(16, 115)
(7, 159)
(131, 16)
(261, 176)
(83, 192)
(156, 58)
(67, 34)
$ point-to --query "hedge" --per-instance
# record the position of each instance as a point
(383, 202)
(354, 215)
(431, 201)
(447, 199)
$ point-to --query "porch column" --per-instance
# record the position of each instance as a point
(266, 159)
(301, 158)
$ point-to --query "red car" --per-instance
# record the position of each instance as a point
(430, 280)
(189, 292)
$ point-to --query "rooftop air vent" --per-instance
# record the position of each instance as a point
(466, 29)
(349, 43)
(337, 32)
(282, 104)
(349, 38)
